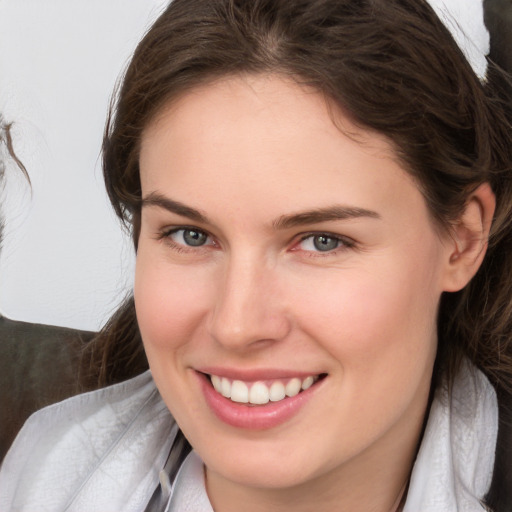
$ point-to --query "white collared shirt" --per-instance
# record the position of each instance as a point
(189, 491)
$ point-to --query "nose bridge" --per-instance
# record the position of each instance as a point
(248, 309)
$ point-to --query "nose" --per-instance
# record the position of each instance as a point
(249, 311)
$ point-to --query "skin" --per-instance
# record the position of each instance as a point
(247, 152)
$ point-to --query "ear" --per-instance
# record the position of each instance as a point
(468, 242)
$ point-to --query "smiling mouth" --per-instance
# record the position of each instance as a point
(262, 392)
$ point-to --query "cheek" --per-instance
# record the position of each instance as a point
(374, 316)
(169, 303)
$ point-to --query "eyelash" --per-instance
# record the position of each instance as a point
(343, 243)
(166, 236)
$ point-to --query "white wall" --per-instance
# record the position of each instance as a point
(64, 259)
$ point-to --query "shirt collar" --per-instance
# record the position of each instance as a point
(189, 492)
(454, 466)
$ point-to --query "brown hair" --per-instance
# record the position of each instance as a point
(7, 153)
(394, 68)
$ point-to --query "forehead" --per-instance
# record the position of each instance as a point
(260, 98)
(265, 136)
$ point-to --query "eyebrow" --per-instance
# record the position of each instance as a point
(314, 216)
(155, 199)
(317, 215)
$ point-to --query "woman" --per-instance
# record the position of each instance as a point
(322, 219)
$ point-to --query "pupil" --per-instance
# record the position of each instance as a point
(325, 243)
(194, 238)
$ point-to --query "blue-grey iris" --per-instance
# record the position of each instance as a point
(194, 238)
(325, 243)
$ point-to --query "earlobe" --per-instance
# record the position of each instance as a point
(469, 238)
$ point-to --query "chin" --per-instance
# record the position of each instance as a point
(260, 463)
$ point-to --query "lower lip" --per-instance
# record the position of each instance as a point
(253, 417)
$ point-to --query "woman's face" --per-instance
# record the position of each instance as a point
(275, 253)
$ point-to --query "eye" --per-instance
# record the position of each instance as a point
(190, 237)
(322, 242)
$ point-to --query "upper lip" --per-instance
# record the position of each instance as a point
(251, 375)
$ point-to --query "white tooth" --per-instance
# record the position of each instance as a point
(216, 381)
(277, 391)
(307, 382)
(293, 387)
(259, 394)
(225, 387)
(239, 392)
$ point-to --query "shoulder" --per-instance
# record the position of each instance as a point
(104, 445)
